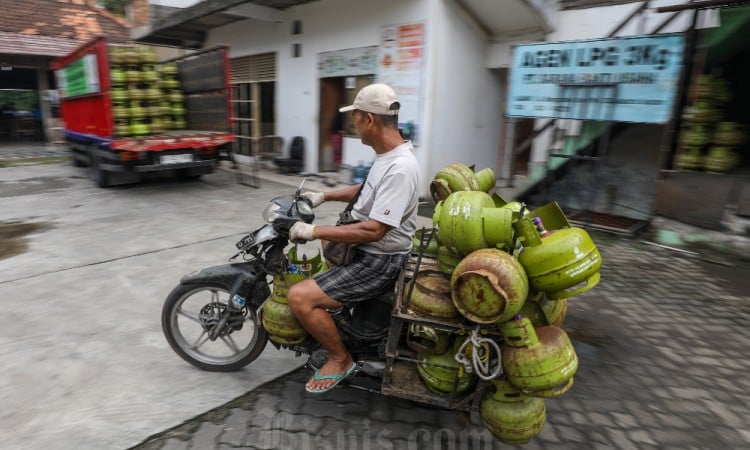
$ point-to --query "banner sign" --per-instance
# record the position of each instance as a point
(400, 57)
(348, 63)
(80, 77)
(630, 79)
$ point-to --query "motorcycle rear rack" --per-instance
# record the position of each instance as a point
(400, 377)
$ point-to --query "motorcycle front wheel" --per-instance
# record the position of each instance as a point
(188, 316)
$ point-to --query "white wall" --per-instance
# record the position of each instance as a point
(465, 97)
(327, 25)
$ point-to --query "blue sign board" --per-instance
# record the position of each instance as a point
(629, 79)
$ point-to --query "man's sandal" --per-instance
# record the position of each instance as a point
(334, 376)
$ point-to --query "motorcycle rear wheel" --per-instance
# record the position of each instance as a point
(190, 311)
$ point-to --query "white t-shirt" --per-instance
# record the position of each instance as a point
(390, 196)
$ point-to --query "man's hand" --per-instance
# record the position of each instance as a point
(301, 232)
(316, 198)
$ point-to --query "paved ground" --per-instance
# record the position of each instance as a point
(662, 340)
(83, 274)
(662, 343)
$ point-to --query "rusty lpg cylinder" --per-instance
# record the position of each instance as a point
(452, 178)
(427, 340)
(448, 259)
(512, 417)
(441, 372)
(542, 311)
(489, 286)
(537, 359)
(431, 296)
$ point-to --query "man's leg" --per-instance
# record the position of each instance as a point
(308, 304)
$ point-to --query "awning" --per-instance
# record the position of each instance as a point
(187, 28)
(732, 36)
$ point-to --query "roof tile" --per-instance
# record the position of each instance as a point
(72, 19)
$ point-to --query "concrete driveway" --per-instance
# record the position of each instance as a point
(84, 362)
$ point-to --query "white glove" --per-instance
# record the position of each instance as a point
(301, 232)
(316, 198)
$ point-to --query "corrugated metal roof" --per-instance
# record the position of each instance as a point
(187, 27)
(25, 44)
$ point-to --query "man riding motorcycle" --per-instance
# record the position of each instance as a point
(386, 214)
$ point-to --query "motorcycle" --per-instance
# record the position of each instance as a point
(212, 317)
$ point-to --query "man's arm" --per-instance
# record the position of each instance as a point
(355, 233)
(342, 195)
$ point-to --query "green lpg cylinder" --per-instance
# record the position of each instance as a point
(427, 340)
(542, 311)
(452, 178)
(559, 262)
(512, 417)
(488, 286)
(427, 239)
(486, 179)
(538, 359)
(720, 159)
(277, 317)
(691, 158)
(431, 296)
(447, 260)
(470, 220)
(440, 372)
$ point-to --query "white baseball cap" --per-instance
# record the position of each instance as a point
(377, 99)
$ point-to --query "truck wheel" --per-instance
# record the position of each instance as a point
(99, 175)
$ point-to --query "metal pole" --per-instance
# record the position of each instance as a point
(510, 133)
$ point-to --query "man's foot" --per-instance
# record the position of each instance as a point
(331, 374)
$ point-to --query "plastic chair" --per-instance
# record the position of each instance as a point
(296, 160)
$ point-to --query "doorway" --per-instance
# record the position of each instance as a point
(330, 144)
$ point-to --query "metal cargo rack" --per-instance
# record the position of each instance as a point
(400, 377)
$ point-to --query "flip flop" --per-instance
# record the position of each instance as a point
(334, 376)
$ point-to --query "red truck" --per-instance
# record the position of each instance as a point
(125, 117)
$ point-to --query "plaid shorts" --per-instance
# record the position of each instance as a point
(368, 276)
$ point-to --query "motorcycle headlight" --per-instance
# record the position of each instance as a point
(304, 208)
(271, 212)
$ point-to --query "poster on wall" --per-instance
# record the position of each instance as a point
(348, 62)
(631, 79)
(400, 59)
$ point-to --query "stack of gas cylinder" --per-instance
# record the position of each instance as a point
(505, 273)
(708, 142)
(146, 95)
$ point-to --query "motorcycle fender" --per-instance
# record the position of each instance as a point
(238, 278)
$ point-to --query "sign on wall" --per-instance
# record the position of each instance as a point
(79, 77)
(400, 57)
(348, 62)
(632, 79)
